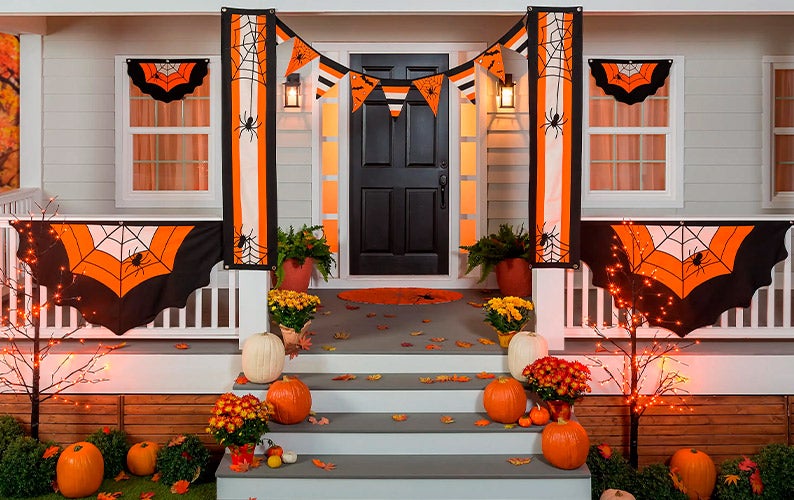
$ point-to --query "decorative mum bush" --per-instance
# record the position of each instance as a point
(608, 470)
(113, 445)
(24, 472)
(10, 430)
(184, 458)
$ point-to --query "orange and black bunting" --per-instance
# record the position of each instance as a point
(462, 76)
(491, 59)
(630, 81)
(361, 86)
(430, 88)
(302, 54)
(683, 276)
(167, 79)
(120, 275)
(283, 32)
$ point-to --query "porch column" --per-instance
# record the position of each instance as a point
(252, 302)
(548, 295)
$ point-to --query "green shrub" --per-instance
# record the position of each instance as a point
(655, 483)
(10, 429)
(732, 482)
(776, 463)
(24, 472)
(608, 469)
(113, 445)
(184, 457)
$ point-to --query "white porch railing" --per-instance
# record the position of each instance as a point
(768, 316)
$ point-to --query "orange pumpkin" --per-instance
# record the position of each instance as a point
(697, 472)
(525, 420)
(539, 415)
(80, 470)
(565, 444)
(142, 457)
(291, 400)
(504, 400)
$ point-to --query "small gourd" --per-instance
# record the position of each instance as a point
(142, 458)
(504, 400)
(289, 457)
(613, 494)
(523, 350)
(539, 415)
(263, 358)
(80, 470)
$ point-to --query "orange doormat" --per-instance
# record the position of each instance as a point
(400, 296)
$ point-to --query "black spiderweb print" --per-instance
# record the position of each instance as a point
(246, 41)
(548, 245)
(247, 249)
(556, 64)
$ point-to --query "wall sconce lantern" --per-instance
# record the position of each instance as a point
(292, 91)
(506, 97)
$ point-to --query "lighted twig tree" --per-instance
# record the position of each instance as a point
(27, 345)
(649, 372)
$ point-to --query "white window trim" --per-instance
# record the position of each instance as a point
(125, 196)
(768, 197)
(673, 195)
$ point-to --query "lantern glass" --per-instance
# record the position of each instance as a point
(292, 91)
(506, 96)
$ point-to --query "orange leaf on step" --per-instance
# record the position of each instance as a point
(376, 376)
(407, 344)
(519, 460)
(460, 378)
(485, 375)
(431, 347)
(463, 344)
(426, 320)
(389, 315)
(417, 333)
(443, 378)
(382, 327)
(438, 339)
(399, 417)
(510, 426)
(371, 315)
(182, 346)
(478, 305)
(180, 487)
(323, 465)
(446, 419)
(426, 380)
(484, 341)
(241, 467)
(329, 348)
(482, 422)
(350, 307)
(346, 376)
(241, 379)
(341, 335)
(256, 462)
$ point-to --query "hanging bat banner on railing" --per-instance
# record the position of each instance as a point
(248, 43)
(555, 124)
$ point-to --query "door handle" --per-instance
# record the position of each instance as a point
(442, 181)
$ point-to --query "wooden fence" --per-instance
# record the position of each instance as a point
(722, 426)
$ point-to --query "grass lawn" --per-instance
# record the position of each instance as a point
(132, 488)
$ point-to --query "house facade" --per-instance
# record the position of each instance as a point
(713, 150)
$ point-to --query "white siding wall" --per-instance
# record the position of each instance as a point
(722, 100)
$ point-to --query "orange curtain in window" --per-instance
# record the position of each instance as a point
(555, 76)
(248, 41)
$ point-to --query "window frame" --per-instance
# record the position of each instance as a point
(673, 195)
(768, 130)
(125, 196)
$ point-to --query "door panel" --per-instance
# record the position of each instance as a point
(399, 218)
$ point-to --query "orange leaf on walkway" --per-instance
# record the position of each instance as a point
(431, 347)
(375, 376)
(446, 419)
(182, 345)
(147, 495)
(346, 376)
(463, 344)
(122, 476)
(482, 422)
(399, 417)
(519, 460)
(323, 465)
(341, 335)
(460, 378)
(180, 487)
(438, 339)
(108, 496)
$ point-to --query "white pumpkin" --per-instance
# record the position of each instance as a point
(289, 457)
(524, 348)
(263, 358)
(612, 493)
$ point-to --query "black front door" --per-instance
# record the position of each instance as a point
(399, 177)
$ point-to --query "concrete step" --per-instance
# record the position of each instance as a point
(416, 477)
(419, 434)
(392, 392)
(421, 361)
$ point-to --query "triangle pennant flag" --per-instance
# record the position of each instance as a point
(430, 88)
(463, 78)
(302, 54)
(361, 86)
(396, 91)
(283, 32)
(330, 74)
(516, 39)
(492, 60)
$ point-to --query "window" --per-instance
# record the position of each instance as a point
(778, 132)
(168, 154)
(632, 153)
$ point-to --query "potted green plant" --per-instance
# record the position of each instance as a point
(508, 252)
(299, 252)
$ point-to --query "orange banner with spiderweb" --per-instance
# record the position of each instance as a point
(555, 124)
(248, 40)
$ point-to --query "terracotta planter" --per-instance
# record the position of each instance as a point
(296, 276)
(514, 277)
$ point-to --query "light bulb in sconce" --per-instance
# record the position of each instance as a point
(292, 90)
(506, 98)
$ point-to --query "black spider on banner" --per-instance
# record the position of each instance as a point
(549, 245)
(246, 248)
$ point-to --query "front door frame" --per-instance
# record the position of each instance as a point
(341, 53)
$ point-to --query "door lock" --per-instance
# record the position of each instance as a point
(442, 181)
